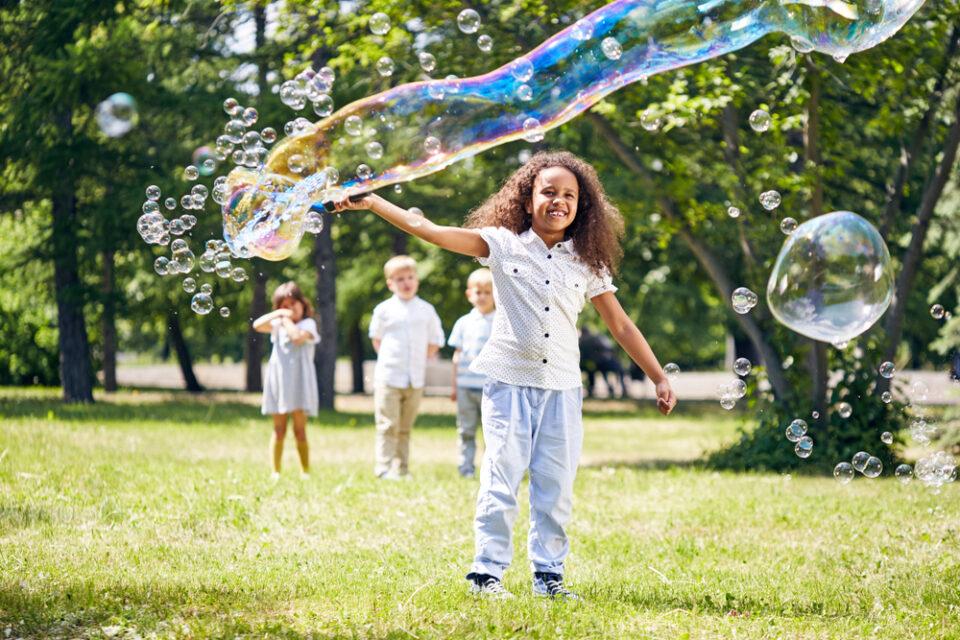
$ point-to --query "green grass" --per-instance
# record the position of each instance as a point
(150, 515)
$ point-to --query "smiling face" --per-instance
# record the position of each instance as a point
(553, 205)
(295, 306)
(404, 283)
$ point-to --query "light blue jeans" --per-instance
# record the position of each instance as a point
(526, 428)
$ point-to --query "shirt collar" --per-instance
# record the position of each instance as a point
(530, 236)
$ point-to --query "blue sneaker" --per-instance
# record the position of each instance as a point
(550, 585)
(485, 585)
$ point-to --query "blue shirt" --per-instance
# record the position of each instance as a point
(469, 335)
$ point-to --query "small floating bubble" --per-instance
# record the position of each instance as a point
(385, 66)
(770, 200)
(759, 120)
(733, 212)
(788, 225)
(611, 48)
(468, 21)
(191, 173)
(427, 62)
(484, 43)
(224, 312)
(843, 472)
(379, 23)
(672, 370)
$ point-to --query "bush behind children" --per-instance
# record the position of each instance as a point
(550, 238)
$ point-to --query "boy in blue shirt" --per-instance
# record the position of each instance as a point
(469, 335)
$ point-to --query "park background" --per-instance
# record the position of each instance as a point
(155, 474)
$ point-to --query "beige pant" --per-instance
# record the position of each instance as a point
(394, 410)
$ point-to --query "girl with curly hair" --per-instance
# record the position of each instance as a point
(550, 237)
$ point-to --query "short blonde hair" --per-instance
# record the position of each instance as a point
(479, 277)
(396, 264)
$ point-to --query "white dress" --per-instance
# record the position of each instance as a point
(291, 379)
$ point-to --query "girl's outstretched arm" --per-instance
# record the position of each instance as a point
(465, 241)
(633, 342)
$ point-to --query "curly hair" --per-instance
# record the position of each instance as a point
(597, 228)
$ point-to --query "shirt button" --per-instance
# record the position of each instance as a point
(544, 361)
(549, 256)
(514, 270)
(546, 308)
(548, 282)
(546, 335)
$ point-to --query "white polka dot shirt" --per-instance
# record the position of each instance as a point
(539, 292)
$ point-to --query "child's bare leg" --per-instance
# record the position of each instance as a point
(300, 433)
(276, 440)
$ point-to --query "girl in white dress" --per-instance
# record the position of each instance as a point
(290, 384)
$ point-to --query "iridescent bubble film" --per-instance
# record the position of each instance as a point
(832, 279)
(616, 45)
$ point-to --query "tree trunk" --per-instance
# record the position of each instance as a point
(183, 354)
(109, 326)
(710, 263)
(731, 153)
(399, 243)
(895, 188)
(326, 354)
(254, 340)
(911, 260)
(818, 357)
(356, 356)
(76, 369)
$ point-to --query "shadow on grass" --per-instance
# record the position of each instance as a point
(651, 464)
(181, 408)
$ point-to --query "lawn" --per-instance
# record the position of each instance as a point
(151, 515)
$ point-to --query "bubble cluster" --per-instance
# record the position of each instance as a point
(796, 430)
(832, 278)
(743, 300)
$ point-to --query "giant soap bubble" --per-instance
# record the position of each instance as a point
(832, 279)
(552, 84)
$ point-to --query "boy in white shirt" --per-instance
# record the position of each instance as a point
(405, 330)
(469, 335)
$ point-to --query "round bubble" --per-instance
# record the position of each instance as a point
(843, 472)
(886, 437)
(191, 172)
(431, 145)
(733, 212)
(150, 206)
(728, 402)
(170, 203)
(886, 396)
(788, 225)
(671, 370)
(859, 460)
(353, 125)
(904, 473)
(374, 149)
(161, 265)
(364, 171)
(845, 410)
(873, 467)
(796, 430)
(268, 135)
(201, 303)
(230, 106)
(313, 222)
(414, 217)
(611, 48)
(804, 447)
(206, 288)
(759, 120)
(651, 121)
(189, 285)
(531, 130)
(770, 200)
(937, 311)
(919, 391)
(738, 388)
(153, 192)
(742, 366)
(521, 69)
(468, 21)
(224, 312)
(323, 106)
(385, 66)
(208, 261)
(582, 30)
(832, 278)
(249, 116)
(484, 43)
(117, 115)
(297, 163)
(379, 23)
(524, 92)
(427, 61)
(436, 91)
(887, 369)
(743, 300)
(233, 131)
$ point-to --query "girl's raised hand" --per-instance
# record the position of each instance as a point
(347, 204)
(666, 398)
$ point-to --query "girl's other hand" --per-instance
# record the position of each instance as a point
(285, 313)
(666, 398)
